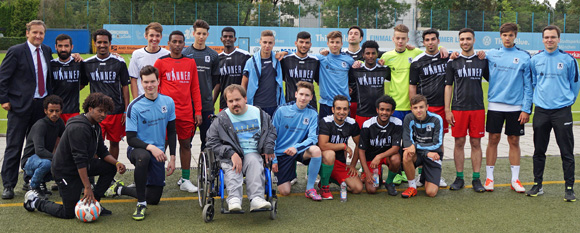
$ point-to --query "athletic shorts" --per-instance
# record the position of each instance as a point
(431, 169)
(401, 114)
(339, 172)
(66, 116)
(325, 110)
(156, 169)
(474, 120)
(112, 128)
(360, 120)
(184, 129)
(287, 167)
(353, 107)
(495, 120)
(440, 110)
(383, 162)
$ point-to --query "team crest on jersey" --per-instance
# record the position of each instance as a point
(516, 60)
(344, 65)
(428, 128)
(560, 66)
(164, 109)
(305, 121)
(207, 58)
(410, 60)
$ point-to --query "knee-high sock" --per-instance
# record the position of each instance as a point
(325, 172)
(313, 169)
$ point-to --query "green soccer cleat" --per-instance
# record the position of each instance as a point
(112, 191)
(400, 178)
(139, 213)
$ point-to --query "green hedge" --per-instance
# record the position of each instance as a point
(7, 42)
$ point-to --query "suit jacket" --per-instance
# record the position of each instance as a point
(18, 77)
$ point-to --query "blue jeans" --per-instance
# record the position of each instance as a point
(37, 168)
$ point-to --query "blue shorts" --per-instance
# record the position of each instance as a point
(156, 173)
(287, 167)
(401, 114)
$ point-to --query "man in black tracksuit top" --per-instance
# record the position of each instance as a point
(74, 161)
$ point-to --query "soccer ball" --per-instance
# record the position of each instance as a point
(87, 212)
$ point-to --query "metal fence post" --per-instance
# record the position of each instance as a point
(109, 11)
(319, 16)
(532, 21)
(516, 17)
(152, 12)
(376, 18)
(195, 12)
(499, 19)
(279, 15)
(173, 13)
(448, 19)
(564, 22)
(338, 17)
(259, 12)
(483, 21)
(217, 17)
(465, 18)
(431, 18)
(548, 18)
(131, 14)
(238, 14)
(357, 16)
(88, 15)
(298, 14)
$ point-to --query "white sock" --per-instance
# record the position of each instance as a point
(489, 172)
(412, 183)
(119, 190)
(33, 203)
(515, 172)
(142, 203)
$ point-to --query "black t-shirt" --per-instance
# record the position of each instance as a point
(376, 139)
(66, 81)
(265, 96)
(357, 56)
(231, 68)
(370, 85)
(108, 76)
(466, 73)
(428, 74)
(296, 69)
(338, 133)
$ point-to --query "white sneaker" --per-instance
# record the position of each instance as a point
(488, 186)
(442, 182)
(259, 203)
(517, 186)
(234, 204)
(179, 181)
(186, 185)
(418, 181)
(293, 181)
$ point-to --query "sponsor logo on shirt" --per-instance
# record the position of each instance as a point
(164, 109)
(104, 76)
(560, 66)
(437, 69)
(344, 65)
(305, 121)
(516, 60)
(207, 59)
(301, 74)
(410, 59)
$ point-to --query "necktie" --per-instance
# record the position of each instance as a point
(40, 73)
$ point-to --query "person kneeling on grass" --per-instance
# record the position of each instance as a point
(75, 160)
(422, 141)
(239, 136)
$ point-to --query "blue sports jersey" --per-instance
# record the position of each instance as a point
(333, 76)
(247, 128)
(510, 79)
(295, 128)
(554, 79)
(149, 119)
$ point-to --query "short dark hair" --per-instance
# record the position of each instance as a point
(303, 35)
(362, 34)
(339, 98)
(229, 29)
(387, 100)
(551, 27)
(98, 99)
(430, 31)
(307, 85)
(62, 37)
(149, 69)
(176, 32)
(102, 32)
(370, 44)
(418, 99)
(52, 99)
(234, 87)
(508, 27)
(464, 30)
(200, 23)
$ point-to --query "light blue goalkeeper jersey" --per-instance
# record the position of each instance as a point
(554, 79)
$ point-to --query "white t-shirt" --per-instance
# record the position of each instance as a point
(141, 58)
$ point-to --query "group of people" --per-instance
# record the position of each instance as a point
(269, 113)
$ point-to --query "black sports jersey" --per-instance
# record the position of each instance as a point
(66, 81)
(357, 56)
(338, 133)
(296, 69)
(108, 76)
(370, 85)
(428, 74)
(208, 73)
(231, 69)
(466, 73)
(376, 139)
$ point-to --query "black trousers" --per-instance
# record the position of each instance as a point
(561, 121)
(70, 189)
(18, 127)
(143, 192)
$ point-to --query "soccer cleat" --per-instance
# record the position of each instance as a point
(311, 193)
(517, 186)
(410, 192)
(325, 192)
(139, 213)
(112, 191)
(535, 190)
(489, 185)
(418, 181)
(234, 205)
(391, 189)
(569, 195)
(179, 181)
(400, 178)
(30, 197)
(187, 186)
(477, 187)
(45, 190)
(442, 182)
(259, 203)
(457, 184)
(105, 212)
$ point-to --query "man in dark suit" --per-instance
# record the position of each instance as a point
(23, 86)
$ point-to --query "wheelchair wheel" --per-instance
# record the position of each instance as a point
(208, 213)
(274, 210)
(202, 173)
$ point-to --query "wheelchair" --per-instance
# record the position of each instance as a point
(210, 183)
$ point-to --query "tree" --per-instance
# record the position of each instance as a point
(23, 11)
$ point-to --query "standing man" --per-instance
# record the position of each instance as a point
(24, 76)
(300, 66)
(468, 112)
(355, 36)
(555, 83)
(206, 60)
(231, 64)
(178, 80)
(263, 76)
(146, 56)
(108, 74)
(510, 100)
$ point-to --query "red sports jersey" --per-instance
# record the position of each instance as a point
(178, 80)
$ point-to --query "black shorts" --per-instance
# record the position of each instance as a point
(287, 167)
(431, 169)
(496, 119)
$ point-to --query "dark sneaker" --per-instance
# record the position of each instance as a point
(391, 189)
(26, 186)
(139, 213)
(535, 190)
(569, 195)
(30, 197)
(40, 193)
(457, 184)
(45, 191)
(477, 186)
(105, 212)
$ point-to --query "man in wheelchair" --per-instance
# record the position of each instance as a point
(239, 136)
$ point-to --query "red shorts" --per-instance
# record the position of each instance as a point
(440, 110)
(353, 107)
(380, 167)
(339, 172)
(360, 120)
(112, 128)
(184, 129)
(66, 116)
(473, 120)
